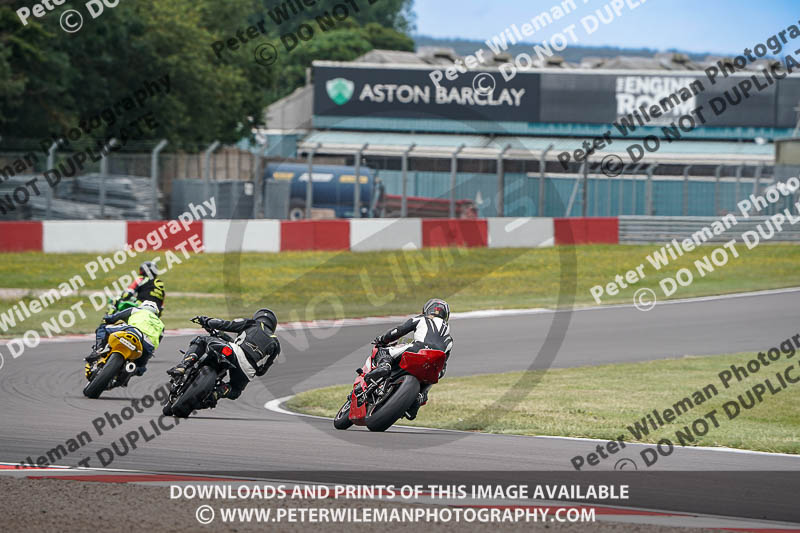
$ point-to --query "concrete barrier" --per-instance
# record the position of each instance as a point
(590, 230)
(385, 234)
(66, 236)
(164, 234)
(524, 232)
(438, 232)
(315, 235)
(21, 237)
(221, 236)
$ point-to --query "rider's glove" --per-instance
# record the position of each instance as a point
(127, 293)
(378, 341)
(107, 319)
(202, 320)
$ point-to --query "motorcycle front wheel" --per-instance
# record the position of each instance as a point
(342, 420)
(391, 410)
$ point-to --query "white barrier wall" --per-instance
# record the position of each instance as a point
(385, 234)
(65, 236)
(221, 236)
(524, 232)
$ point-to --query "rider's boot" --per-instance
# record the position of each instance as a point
(422, 399)
(180, 369)
(223, 390)
(383, 365)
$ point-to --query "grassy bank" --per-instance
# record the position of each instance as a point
(602, 401)
(316, 285)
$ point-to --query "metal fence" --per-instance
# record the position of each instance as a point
(140, 184)
(84, 182)
(641, 229)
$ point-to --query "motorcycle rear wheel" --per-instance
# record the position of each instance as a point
(395, 407)
(104, 376)
(342, 420)
(197, 391)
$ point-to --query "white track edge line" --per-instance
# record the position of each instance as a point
(276, 406)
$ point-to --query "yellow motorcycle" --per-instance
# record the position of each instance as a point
(116, 364)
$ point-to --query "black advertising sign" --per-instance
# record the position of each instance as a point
(556, 97)
(412, 93)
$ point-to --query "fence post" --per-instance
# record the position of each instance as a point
(717, 176)
(501, 181)
(575, 190)
(621, 202)
(259, 194)
(608, 192)
(739, 170)
(207, 168)
(453, 172)
(542, 177)
(635, 171)
(357, 190)
(756, 183)
(51, 163)
(404, 197)
(685, 209)
(585, 201)
(103, 174)
(154, 177)
(649, 189)
(309, 184)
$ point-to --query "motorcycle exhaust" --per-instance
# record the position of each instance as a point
(130, 367)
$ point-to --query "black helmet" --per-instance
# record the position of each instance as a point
(437, 307)
(267, 317)
(148, 269)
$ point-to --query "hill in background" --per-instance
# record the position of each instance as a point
(572, 54)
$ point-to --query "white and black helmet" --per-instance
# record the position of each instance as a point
(437, 307)
(148, 269)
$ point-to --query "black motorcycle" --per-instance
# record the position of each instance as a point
(193, 390)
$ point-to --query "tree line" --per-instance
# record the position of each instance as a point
(50, 79)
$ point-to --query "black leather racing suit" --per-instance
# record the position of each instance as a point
(259, 348)
(151, 289)
(430, 332)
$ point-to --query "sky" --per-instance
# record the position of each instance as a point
(715, 26)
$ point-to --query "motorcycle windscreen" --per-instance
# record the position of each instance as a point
(425, 365)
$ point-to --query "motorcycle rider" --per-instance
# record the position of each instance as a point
(256, 347)
(148, 287)
(143, 321)
(431, 331)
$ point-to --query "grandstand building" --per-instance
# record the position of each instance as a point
(682, 140)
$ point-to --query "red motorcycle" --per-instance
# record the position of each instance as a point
(380, 403)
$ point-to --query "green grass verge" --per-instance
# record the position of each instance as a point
(319, 285)
(602, 401)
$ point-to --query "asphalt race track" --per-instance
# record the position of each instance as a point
(43, 405)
